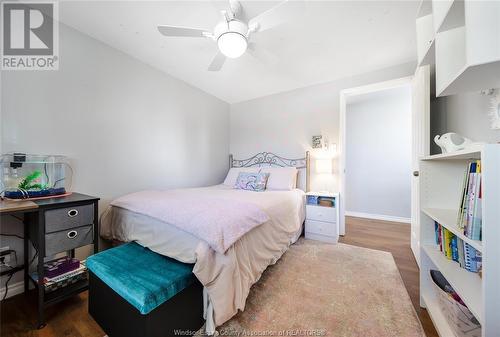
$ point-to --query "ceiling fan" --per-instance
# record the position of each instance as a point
(233, 33)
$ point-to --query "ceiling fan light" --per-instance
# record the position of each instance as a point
(232, 44)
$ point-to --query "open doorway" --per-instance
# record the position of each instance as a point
(419, 85)
(376, 151)
(378, 155)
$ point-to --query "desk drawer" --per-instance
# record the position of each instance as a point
(320, 227)
(68, 239)
(66, 218)
(321, 213)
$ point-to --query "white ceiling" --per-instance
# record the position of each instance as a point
(331, 40)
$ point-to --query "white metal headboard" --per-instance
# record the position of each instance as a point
(269, 159)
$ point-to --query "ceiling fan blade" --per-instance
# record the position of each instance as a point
(182, 31)
(217, 62)
(283, 12)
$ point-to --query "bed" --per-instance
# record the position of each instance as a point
(226, 263)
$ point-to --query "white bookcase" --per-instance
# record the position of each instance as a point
(425, 34)
(441, 179)
(461, 37)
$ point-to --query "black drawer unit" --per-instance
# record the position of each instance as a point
(59, 225)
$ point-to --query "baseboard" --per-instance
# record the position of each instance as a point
(14, 289)
(379, 217)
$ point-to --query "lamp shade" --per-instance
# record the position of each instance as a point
(232, 44)
(324, 166)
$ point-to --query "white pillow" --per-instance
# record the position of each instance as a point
(281, 178)
(233, 173)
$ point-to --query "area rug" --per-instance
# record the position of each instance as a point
(319, 289)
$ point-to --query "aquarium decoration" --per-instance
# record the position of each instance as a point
(29, 182)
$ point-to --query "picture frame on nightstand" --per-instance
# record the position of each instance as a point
(322, 216)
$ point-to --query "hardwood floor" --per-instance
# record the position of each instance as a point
(393, 237)
(70, 318)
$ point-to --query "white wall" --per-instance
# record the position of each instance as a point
(124, 125)
(378, 153)
(466, 114)
(285, 123)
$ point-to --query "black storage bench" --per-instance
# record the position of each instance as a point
(134, 292)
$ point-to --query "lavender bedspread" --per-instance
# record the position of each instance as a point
(217, 220)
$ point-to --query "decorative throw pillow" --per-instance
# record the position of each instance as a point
(232, 175)
(251, 181)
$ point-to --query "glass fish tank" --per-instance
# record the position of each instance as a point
(33, 176)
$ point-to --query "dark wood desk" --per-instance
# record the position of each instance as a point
(8, 207)
(53, 226)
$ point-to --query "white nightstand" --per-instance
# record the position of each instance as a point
(322, 222)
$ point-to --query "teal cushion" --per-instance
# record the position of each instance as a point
(144, 278)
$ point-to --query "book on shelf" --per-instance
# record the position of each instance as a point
(60, 266)
(63, 280)
(473, 258)
(455, 249)
(447, 242)
(461, 255)
(470, 209)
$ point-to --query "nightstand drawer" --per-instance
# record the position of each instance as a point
(68, 239)
(321, 213)
(320, 227)
(69, 217)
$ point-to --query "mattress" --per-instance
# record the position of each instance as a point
(165, 239)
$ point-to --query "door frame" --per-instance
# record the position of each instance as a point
(344, 95)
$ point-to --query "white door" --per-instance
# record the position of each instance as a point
(420, 147)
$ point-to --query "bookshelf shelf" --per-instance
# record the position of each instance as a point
(467, 284)
(441, 182)
(468, 154)
(448, 219)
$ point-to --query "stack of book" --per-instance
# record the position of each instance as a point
(470, 210)
(457, 250)
(62, 272)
